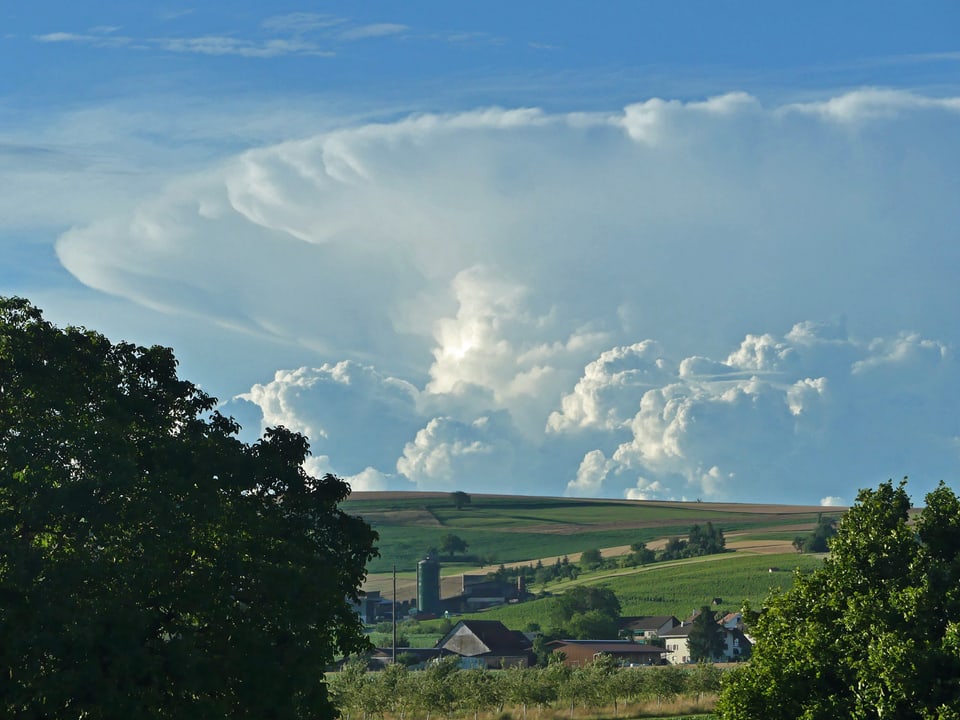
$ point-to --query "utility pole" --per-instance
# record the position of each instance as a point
(394, 613)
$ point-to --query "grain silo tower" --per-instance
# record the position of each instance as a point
(428, 586)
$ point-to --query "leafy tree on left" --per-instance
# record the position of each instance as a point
(151, 564)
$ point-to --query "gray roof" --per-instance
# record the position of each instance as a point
(613, 647)
(647, 622)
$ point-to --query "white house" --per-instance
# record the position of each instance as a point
(737, 646)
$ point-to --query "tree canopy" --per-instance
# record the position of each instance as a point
(152, 565)
(591, 559)
(706, 540)
(875, 633)
(819, 538)
(706, 640)
(452, 544)
(586, 611)
(460, 499)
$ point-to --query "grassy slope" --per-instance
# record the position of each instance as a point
(676, 588)
(510, 529)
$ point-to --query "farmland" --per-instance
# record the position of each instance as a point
(520, 530)
(677, 588)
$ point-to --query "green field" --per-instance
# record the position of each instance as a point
(405, 545)
(676, 588)
(501, 529)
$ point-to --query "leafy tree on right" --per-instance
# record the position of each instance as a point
(875, 633)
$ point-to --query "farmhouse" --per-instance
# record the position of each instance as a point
(487, 643)
(647, 627)
(583, 652)
(736, 645)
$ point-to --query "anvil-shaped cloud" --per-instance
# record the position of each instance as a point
(588, 303)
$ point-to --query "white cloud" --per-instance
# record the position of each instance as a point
(294, 25)
(873, 104)
(646, 490)
(98, 37)
(725, 434)
(356, 419)
(299, 23)
(556, 290)
(228, 45)
(373, 30)
(832, 501)
(300, 34)
(592, 472)
(610, 390)
(447, 453)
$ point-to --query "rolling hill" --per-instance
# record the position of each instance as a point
(502, 529)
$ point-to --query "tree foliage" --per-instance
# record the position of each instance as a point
(586, 612)
(591, 559)
(875, 633)
(446, 690)
(460, 499)
(701, 540)
(151, 564)
(706, 640)
(452, 544)
(818, 540)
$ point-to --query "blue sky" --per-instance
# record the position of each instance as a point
(644, 249)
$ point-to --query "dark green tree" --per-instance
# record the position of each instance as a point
(586, 612)
(540, 651)
(591, 625)
(674, 549)
(818, 540)
(875, 633)
(460, 499)
(582, 599)
(452, 544)
(151, 564)
(706, 640)
(640, 554)
(591, 559)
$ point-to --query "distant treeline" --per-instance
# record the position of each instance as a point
(701, 540)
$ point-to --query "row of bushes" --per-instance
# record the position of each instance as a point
(445, 689)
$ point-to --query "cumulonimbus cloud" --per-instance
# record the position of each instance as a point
(600, 302)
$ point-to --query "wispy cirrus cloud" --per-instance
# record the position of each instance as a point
(225, 45)
(199, 45)
(374, 30)
(296, 34)
(168, 15)
(95, 37)
(301, 22)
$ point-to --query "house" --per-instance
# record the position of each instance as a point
(583, 652)
(481, 591)
(675, 642)
(732, 621)
(366, 606)
(736, 645)
(647, 627)
(486, 643)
